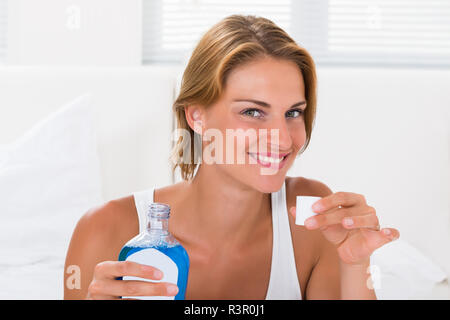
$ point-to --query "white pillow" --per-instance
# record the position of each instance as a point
(402, 272)
(49, 177)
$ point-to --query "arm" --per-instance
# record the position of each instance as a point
(331, 278)
(86, 249)
(325, 280)
(354, 282)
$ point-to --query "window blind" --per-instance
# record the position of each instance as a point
(335, 32)
(383, 32)
(3, 25)
(172, 28)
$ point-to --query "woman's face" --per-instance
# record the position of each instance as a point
(278, 85)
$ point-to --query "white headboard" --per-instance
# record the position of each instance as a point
(134, 117)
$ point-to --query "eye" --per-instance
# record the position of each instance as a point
(249, 111)
(299, 111)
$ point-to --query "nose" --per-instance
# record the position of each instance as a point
(279, 135)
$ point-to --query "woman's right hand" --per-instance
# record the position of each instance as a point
(104, 284)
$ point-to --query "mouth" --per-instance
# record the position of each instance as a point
(267, 160)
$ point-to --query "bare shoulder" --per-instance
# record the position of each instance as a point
(307, 187)
(114, 217)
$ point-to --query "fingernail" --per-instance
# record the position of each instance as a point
(158, 274)
(172, 289)
(317, 206)
(311, 222)
(387, 231)
(348, 221)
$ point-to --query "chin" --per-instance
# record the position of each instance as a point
(264, 183)
(252, 176)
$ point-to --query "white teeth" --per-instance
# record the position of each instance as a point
(269, 159)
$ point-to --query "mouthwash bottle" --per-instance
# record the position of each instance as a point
(156, 247)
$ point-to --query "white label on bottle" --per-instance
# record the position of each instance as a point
(159, 260)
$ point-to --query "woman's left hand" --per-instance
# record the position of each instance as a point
(351, 225)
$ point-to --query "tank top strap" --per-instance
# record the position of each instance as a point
(283, 283)
(142, 200)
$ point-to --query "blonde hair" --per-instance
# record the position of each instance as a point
(231, 42)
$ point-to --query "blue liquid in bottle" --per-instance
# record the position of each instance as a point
(158, 248)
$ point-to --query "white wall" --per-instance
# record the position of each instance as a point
(74, 32)
(384, 133)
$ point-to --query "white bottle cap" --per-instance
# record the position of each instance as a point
(303, 209)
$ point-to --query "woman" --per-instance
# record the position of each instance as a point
(232, 218)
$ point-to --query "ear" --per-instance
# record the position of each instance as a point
(194, 117)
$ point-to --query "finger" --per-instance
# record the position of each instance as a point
(144, 288)
(376, 239)
(391, 233)
(335, 200)
(364, 221)
(113, 269)
(292, 211)
(361, 245)
(133, 288)
(328, 218)
(102, 297)
(95, 292)
(337, 215)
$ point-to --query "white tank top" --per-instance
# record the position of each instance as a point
(283, 283)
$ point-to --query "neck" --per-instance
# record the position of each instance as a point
(226, 213)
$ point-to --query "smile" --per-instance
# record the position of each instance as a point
(276, 161)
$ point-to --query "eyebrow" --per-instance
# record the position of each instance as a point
(265, 104)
